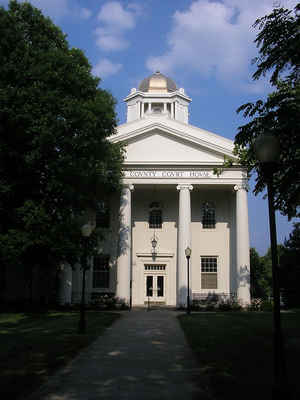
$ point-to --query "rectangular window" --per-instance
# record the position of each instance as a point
(208, 215)
(101, 272)
(209, 272)
(103, 214)
(155, 219)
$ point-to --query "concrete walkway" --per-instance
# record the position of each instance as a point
(142, 356)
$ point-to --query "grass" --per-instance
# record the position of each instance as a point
(236, 354)
(32, 346)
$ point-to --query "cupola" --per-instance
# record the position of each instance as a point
(157, 96)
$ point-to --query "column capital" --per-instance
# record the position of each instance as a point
(241, 186)
(182, 186)
(129, 186)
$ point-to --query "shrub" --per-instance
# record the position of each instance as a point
(267, 305)
(229, 305)
(255, 305)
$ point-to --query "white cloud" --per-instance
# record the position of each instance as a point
(57, 9)
(106, 68)
(214, 39)
(110, 41)
(85, 13)
(115, 21)
(115, 16)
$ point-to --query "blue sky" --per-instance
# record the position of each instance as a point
(205, 46)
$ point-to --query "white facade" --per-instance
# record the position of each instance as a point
(168, 171)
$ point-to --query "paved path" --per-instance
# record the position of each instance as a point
(143, 355)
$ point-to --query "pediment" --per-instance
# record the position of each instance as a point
(158, 146)
(171, 143)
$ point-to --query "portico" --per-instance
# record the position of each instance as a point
(183, 227)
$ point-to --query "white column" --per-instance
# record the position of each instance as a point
(165, 108)
(173, 110)
(150, 107)
(242, 244)
(65, 284)
(143, 109)
(183, 241)
(124, 260)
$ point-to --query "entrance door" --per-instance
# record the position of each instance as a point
(155, 283)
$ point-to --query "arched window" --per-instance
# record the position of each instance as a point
(155, 215)
(208, 215)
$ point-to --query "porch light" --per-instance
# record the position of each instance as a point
(154, 244)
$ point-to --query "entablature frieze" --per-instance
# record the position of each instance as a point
(189, 175)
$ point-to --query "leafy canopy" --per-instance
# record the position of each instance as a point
(55, 158)
(278, 42)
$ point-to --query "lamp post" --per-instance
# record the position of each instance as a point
(267, 151)
(188, 253)
(86, 231)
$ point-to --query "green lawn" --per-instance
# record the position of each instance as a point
(236, 355)
(32, 346)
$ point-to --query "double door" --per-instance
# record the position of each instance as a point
(155, 283)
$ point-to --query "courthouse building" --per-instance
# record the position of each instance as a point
(171, 200)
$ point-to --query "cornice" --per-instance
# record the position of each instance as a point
(149, 95)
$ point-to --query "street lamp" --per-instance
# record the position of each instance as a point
(188, 253)
(267, 151)
(86, 231)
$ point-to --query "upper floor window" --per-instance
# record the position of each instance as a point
(101, 272)
(155, 215)
(208, 215)
(103, 214)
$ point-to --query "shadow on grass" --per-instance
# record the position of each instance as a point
(32, 346)
(236, 354)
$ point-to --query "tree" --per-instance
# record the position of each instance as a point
(290, 268)
(260, 276)
(278, 42)
(55, 158)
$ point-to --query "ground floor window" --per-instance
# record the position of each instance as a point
(101, 272)
(209, 272)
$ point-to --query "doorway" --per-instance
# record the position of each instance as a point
(155, 283)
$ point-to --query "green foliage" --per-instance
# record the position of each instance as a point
(278, 42)
(266, 305)
(228, 163)
(231, 304)
(260, 275)
(290, 268)
(55, 158)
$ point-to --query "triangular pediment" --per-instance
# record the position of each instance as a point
(170, 142)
